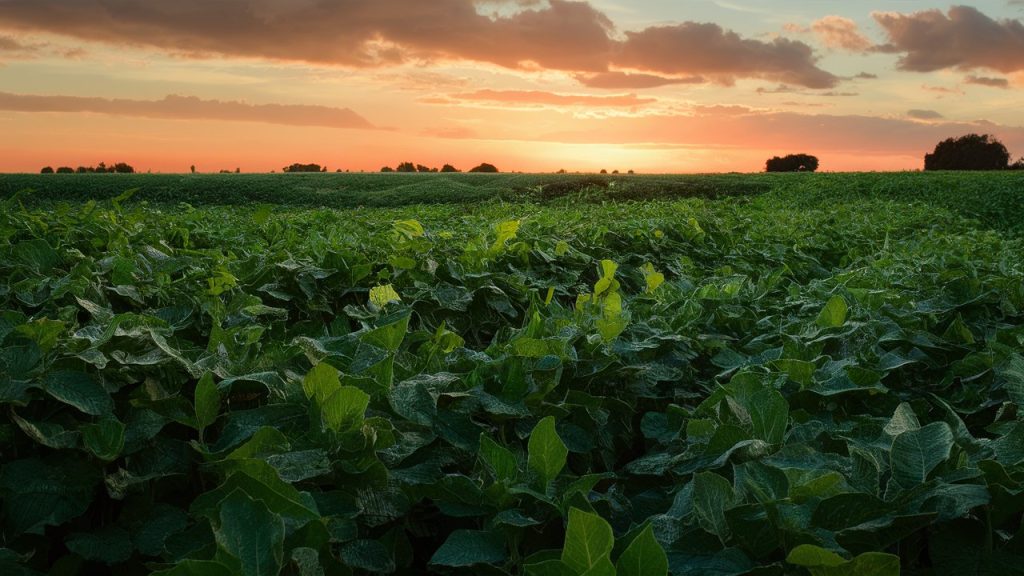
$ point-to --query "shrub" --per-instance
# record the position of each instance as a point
(65, 170)
(970, 152)
(304, 168)
(47, 170)
(792, 163)
(387, 169)
(485, 167)
(449, 168)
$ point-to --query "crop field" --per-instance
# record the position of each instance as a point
(515, 374)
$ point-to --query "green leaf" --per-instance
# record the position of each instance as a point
(588, 541)
(652, 277)
(344, 410)
(505, 231)
(105, 439)
(643, 557)
(79, 390)
(470, 547)
(321, 381)
(501, 461)
(381, 296)
(549, 568)
(252, 534)
(833, 315)
(196, 568)
(769, 416)
(546, 452)
(712, 496)
(109, 546)
(44, 332)
(409, 228)
(821, 562)
(915, 453)
(207, 401)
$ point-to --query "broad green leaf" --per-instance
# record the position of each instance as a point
(833, 315)
(344, 410)
(79, 390)
(470, 547)
(549, 568)
(588, 541)
(409, 228)
(105, 439)
(643, 557)
(252, 534)
(109, 545)
(321, 381)
(44, 332)
(652, 277)
(505, 231)
(821, 562)
(499, 459)
(903, 420)
(712, 496)
(915, 453)
(381, 296)
(769, 416)
(546, 452)
(196, 568)
(207, 401)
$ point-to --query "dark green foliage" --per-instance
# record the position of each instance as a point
(824, 377)
(486, 168)
(792, 163)
(970, 152)
(304, 168)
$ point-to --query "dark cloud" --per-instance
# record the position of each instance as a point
(987, 81)
(924, 115)
(709, 50)
(535, 97)
(190, 108)
(964, 39)
(557, 35)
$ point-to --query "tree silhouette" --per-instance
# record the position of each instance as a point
(449, 168)
(486, 168)
(304, 168)
(47, 170)
(970, 152)
(422, 168)
(406, 167)
(387, 169)
(792, 163)
(192, 168)
(65, 170)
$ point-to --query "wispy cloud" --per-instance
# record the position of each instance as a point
(189, 108)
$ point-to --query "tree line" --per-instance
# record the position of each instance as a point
(101, 168)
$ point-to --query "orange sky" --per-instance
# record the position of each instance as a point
(530, 85)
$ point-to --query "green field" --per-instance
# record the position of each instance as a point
(512, 374)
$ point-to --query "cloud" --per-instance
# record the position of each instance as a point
(986, 81)
(841, 33)
(534, 97)
(560, 35)
(709, 50)
(924, 115)
(190, 108)
(964, 39)
(625, 80)
(866, 76)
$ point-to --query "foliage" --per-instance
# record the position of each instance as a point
(406, 167)
(792, 163)
(304, 168)
(486, 168)
(970, 152)
(46, 170)
(448, 168)
(824, 378)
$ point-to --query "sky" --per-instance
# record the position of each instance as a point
(527, 85)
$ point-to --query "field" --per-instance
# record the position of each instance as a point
(512, 374)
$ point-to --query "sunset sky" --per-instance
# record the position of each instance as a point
(530, 85)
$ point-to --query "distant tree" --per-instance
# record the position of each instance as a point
(792, 163)
(121, 168)
(192, 168)
(603, 171)
(422, 168)
(486, 168)
(1018, 165)
(225, 171)
(615, 171)
(406, 167)
(387, 169)
(561, 171)
(449, 168)
(47, 170)
(970, 152)
(303, 168)
(630, 172)
(65, 170)
(238, 170)
(83, 170)
(338, 170)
